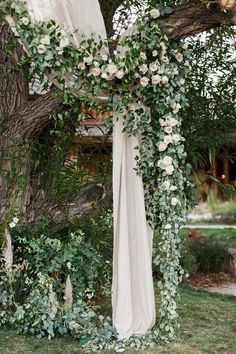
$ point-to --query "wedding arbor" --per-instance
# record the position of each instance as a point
(144, 83)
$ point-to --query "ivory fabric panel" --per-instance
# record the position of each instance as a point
(133, 298)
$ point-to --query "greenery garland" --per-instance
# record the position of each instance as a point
(147, 69)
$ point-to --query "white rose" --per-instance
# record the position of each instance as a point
(153, 67)
(12, 225)
(81, 66)
(105, 57)
(41, 49)
(120, 74)
(104, 75)
(172, 122)
(173, 188)
(179, 57)
(162, 122)
(25, 21)
(88, 60)
(182, 81)
(169, 170)
(162, 146)
(154, 13)
(96, 63)
(176, 107)
(15, 220)
(143, 68)
(164, 79)
(112, 69)
(168, 226)
(143, 55)
(174, 201)
(168, 130)
(176, 138)
(68, 264)
(167, 161)
(45, 40)
(59, 50)
(144, 81)
(155, 53)
(95, 71)
(163, 46)
(161, 70)
(164, 59)
(168, 139)
(156, 79)
(166, 185)
(64, 42)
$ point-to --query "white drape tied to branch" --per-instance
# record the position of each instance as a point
(133, 295)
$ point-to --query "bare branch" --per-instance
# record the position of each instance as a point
(193, 17)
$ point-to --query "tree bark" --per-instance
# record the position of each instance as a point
(193, 17)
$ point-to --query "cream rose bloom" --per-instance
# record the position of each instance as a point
(144, 81)
(88, 60)
(162, 146)
(179, 57)
(168, 139)
(164, 79)
(155, 13)
(64, 42)
(81, 66)
(174, 201)
(169, 170)
(112, 69)
(153, 67)
(168, 130)
(41, 49)
(176, 138)
(167, 161)
(45, 40)
(156, 79)
(120, 74)
(95, 71)
(25, 21)
(143, 68)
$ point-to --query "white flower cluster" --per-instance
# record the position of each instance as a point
(14, 222)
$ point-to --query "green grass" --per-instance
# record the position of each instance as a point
(208, 325)
(226, 237)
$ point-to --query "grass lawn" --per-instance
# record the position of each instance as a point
(226, 237)
(208, 325)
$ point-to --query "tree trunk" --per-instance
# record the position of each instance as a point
(23, 120)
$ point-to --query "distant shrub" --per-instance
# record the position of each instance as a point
(211, 257)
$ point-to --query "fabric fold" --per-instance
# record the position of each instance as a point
(133, 298)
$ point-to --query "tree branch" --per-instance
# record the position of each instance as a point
(30, 120)
(193, 17)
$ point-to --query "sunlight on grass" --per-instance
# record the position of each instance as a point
(208, 325)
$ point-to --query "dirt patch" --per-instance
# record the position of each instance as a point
(202, 280)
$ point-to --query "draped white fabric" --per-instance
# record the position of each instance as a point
(133, 296)
(84, 15)
(132, 291)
